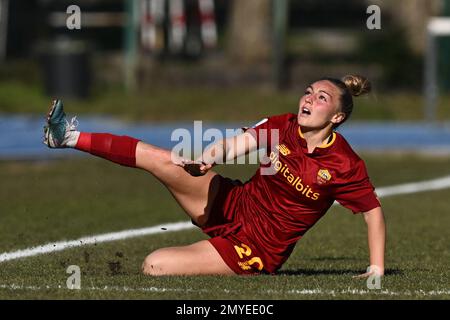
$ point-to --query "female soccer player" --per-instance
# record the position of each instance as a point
(253, 226)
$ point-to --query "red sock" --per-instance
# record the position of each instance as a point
(118, 149)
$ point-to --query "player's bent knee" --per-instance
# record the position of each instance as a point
(153, 264)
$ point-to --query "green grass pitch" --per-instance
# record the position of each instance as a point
(42, 202)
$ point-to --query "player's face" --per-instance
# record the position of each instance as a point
(319, 107)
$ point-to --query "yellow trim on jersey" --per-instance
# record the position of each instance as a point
(300, 133)
(325, 145)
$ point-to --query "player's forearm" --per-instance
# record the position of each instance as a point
(215, 154)
(376, 232)
(228, 149)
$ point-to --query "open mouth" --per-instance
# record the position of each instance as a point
(306, 111)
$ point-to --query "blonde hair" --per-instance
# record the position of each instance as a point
(357, 85)
(350, 86)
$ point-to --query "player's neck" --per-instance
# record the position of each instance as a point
(316, 138)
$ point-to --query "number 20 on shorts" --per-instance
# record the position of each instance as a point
(245, 251)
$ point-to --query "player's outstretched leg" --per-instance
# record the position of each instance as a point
(194, 194)
(60, 133)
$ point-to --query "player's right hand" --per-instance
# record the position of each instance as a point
(195, 168)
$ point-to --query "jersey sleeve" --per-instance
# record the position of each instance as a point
(268, 131)
(356, 192)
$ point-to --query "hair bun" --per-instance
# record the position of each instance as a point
(357, 85)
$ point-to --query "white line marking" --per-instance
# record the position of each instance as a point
(407, 188)
(108, 237)
(301, 292)
(14, 286)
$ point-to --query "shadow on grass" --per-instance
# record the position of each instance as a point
(318, 272)
(332, 258)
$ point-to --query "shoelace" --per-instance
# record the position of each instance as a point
(73, 124)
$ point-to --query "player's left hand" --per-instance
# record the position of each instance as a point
(373, 270)
(363, 275)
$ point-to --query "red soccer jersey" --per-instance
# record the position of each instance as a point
(277, 209)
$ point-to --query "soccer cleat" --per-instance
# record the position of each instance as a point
(58, 131)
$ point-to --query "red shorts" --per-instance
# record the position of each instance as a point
(224, 226)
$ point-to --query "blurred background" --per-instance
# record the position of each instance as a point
(119, 64)
(144, 68)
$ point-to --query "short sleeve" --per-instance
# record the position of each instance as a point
(356, 192)
(268, 131)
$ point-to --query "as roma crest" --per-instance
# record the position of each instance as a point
(323, 176)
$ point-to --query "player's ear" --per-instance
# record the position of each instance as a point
(338, 118)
